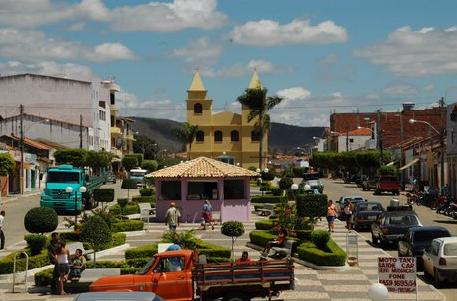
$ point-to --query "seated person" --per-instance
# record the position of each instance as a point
(78, 264)
(243, 259)
(279, 242)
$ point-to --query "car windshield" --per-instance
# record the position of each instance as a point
(314, 183)
(148, 266)
(136, 174)
(63, 177)
(357, 199)
(369, 207)
(450, 249)
(388, 179)
(429, 235)
(404, 220)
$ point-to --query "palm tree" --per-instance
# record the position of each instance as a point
(186, 135)
(259, 105)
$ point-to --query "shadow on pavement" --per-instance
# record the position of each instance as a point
(452, 222)
(429, 280)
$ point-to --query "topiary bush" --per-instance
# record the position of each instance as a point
(311, 205)
(146, 191)
(276, 191)
(285, 183)
(122, 203)
(36, 242)
(234, 229)
(265, 224)
(104, 195)
(267, 176)
(150, 165)
(146, 251)
(335, 256)
(96, 233)
(41, 220)
(320, 238)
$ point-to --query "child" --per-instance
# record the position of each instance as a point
(63, 267)
(77, 266)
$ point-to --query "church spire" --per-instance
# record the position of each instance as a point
(197, 83)
(255, 81)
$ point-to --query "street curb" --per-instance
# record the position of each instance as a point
(6, 200)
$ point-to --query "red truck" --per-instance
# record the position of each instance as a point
(174, 276)
(387, 183)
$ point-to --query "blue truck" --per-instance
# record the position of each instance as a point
(69, 190)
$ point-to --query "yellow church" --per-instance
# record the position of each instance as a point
(223, 133)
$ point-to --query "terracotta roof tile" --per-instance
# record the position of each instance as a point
(202, 167)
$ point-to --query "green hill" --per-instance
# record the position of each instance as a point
(283, 137)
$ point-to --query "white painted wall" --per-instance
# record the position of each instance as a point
(357, 142)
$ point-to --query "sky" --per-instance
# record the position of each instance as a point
(321, 56)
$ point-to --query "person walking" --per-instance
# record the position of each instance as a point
(348, 214)
(207, 214)
(331, 216)
(2, 233)
(63, 266)
(172, 217)
(53, 248)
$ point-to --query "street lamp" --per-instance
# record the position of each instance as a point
(294, 188)
(378, 292)
(441, 134)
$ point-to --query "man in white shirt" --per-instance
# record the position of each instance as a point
(2, 234)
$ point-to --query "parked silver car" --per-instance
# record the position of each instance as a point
(440, 260)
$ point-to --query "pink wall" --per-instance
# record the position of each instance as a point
(235, 210)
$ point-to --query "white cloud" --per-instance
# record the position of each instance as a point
(295, 93)
(239, 69)
(74, 71)
(199, 53)
(168, 17)
(429, 87)
(271, 33)
(400, 89)
(405, 52)
(77, 26)
(34, 46)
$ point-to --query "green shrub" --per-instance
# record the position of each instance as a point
(150, 165)
(37, 261)
(128, 271)
(232, 229)
(265, 224)
(128, 184)
(308, 251)
(138, 262)
(265, 186)
(218, 259)
(122, 203)
(129, 162)
(118, 239)
(36, 242)
(276, 191)
(104, 195)
(267, 176)
(185, 239)
(69, 236)
(285, 183)
(211, 250)
(146, 251)
(268, 199)
(303, 235)
(311, 205)
(129, 209)
(7, 164)
(96, 232)
(128, 225)
(320, 238)
(146, 191)
(388, 170)
(144, 199)
(43, 278)
(41, 220)
(261, 237)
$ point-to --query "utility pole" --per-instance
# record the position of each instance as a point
(381, 159)
(21, 174)
(347, 139)
(80, 131)
(442, 137)
(402, 155)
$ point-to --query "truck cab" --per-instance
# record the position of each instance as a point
(137, 175)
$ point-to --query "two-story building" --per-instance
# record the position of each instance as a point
(223, 133)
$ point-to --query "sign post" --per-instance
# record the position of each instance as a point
(398, 274)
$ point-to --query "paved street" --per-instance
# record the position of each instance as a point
(335, 189)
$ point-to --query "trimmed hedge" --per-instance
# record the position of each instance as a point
(117, 239)
(146, 191)
(44, 277)
(333, 256)
(41, 220)
(320, 238)
(214, 251)
(268, 199)
(37, 261)
(311, 205)
(68, 236)
(128, 271)
(303, 235)
(106, 264)
(260, 237)
(146, 251)
(36, 242)
(127, 225)
(129, 209)
(265, 224)
(138, 262)
(144, 199)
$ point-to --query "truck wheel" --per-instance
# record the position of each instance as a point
(236, 297)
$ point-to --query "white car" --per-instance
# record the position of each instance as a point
(440, 260)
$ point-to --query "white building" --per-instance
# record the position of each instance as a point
(361, 138)
(62, 99)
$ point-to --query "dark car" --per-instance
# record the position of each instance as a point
(354, 199)
(315, 184)
(392, 225)
(110, 177)
(366, 213)
(417, 239)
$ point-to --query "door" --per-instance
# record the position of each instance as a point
(170, 279)
(431, 256)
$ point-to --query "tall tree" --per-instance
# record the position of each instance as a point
(187, 135)
(259, 104)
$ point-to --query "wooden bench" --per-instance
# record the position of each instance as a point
(281, 252)
(266, 210)
(146, 211)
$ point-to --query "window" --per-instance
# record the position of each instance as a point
(112, 99)
(170, 264)
(234, 136)
(198, 108)
(351, 140)
(170, 190)
(102, 115)
(200, 136)
(255, 135)
(234, 189)
(63, 177)
(450, 249)
(102, 104)
(202, 191)
(218, 136)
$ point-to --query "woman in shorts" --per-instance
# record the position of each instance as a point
(331, 216)
(63, 266)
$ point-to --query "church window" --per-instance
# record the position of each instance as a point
(255, 135)
(234, 136)
(218, 136)
(200, 136)
(198, 108)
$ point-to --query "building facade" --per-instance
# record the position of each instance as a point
(69, 100)
(362, 138)
(451, 156)
(221, 133)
